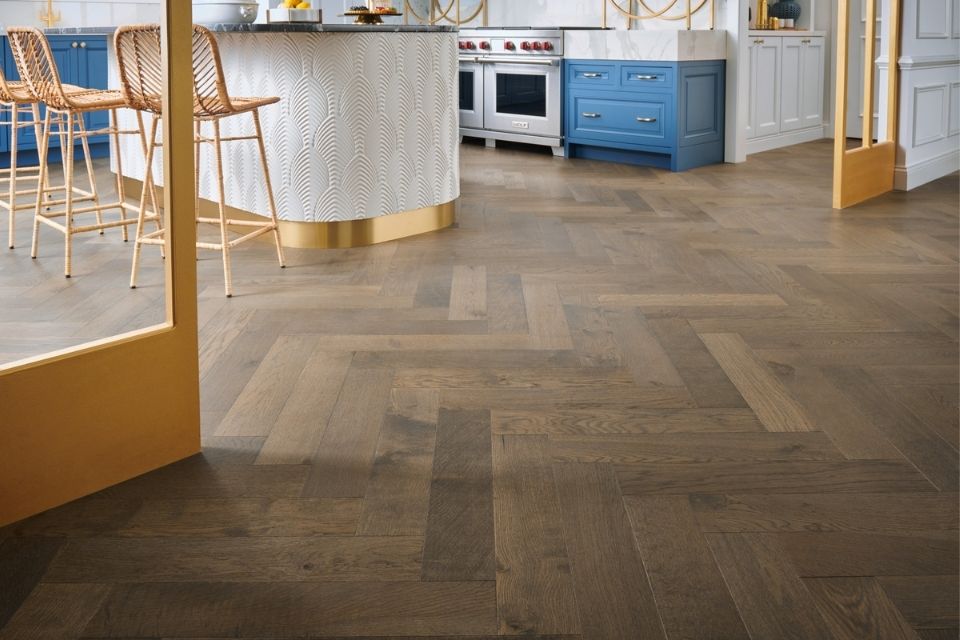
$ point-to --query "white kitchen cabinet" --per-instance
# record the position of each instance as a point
(786, 90)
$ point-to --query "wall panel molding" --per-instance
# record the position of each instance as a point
(930, 113)
(933, 19)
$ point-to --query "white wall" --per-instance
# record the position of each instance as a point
(929, 137)
(79, 13)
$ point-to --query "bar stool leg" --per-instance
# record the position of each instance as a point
(43, 152)
(141, 215)
(12, 193)
(266, 177)
(197, 144)
(91, 174)
(121, 193)
(67, 157)
(38, 133)
(224, 242)
(148, 167)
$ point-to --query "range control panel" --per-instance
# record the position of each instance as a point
(524, 43)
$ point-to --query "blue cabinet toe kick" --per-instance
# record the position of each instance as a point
(660, 114)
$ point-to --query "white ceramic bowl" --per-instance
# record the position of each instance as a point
(224, 11)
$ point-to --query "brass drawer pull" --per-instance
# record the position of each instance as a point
(760, 41)
(806, 41)
(591, 115)
(592, 74)
(642, 119)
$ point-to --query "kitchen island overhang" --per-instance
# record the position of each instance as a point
(364, 144)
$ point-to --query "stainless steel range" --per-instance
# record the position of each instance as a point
(510, 81)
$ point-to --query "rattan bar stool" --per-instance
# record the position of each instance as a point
(138, 56)
(65, 111)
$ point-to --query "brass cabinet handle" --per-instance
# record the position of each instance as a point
(591, 115)
(806, 41)
(640, 77)
(642, 119)
(760, 41)
(592, 74)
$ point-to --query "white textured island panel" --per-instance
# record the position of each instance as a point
(652, 45)
(367, 125)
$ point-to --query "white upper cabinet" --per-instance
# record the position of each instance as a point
(786, 90)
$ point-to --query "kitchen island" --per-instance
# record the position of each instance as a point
(363, 146)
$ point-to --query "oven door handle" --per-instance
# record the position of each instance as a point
(537, 61)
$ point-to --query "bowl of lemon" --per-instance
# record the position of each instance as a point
(294, 11)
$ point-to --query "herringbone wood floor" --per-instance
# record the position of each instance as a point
(612, 403)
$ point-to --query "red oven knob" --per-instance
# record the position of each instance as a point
(526, 46)
(471, 45)
(485, 46)
(548, 46)
(509, 45)
(462, 44)
(537, 46)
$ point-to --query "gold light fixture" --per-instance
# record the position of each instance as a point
(49, 17)
(687, 11)
(453, 14)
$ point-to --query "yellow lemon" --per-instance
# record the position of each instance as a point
(290, 4)
(303, 5)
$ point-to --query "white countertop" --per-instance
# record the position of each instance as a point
(649, 45)
(786, 33)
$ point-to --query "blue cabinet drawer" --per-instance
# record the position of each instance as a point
(645, 120)
(646, 78)
(587, 74)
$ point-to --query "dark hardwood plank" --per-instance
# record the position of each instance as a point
(772, 599)
(872, 554)
(612, 590)
(927, 602)
(56, 611)
(691, 595)
(459, 536)
(211, 609)
(23, 562)
(613, 421)
(535, 589)
(856, 608)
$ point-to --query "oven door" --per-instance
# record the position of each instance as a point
(523, 96)
(471, 95)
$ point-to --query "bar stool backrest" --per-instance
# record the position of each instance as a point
(139, 61)
(37, 66)
(139, 58)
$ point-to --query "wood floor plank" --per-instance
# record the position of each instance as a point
(398, 495)
(926, 602)
(545, 318)
(691, 595)
(459, 538)
(245, 610)
(772, 600)
(692, 447)
(340, 466)
(23, 561)
(775, 407)
(301, 424)
(642, 352)
(535, 588)
(247, 517)
(863, 512)
(468, 293)
(693, 300)
(870, 476)
(843, 553)
(261, 401)
(239, 559)
(56, 611)
(602, 421)
(856, 608)
(612, 593)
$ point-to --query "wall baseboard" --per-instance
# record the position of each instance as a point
(756, 145)
(920, 173)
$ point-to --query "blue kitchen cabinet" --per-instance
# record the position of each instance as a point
(4, 142)
(661, 114)
(81, 61)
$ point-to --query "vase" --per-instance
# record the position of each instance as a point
(786, 9)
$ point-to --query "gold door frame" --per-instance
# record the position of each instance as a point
(80, 420)
(866, 171)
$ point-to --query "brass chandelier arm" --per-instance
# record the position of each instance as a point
(439, 14)
(661, 14)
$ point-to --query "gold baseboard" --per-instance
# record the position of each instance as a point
(339, 235)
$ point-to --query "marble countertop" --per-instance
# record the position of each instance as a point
(300, 27)
(785, 32)
(651, 45)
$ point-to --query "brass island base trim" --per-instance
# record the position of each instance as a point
(343, 234)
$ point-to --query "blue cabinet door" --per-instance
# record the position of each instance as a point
(93, 74)
(4, 143)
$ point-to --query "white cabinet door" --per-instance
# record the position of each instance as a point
(791, 83)
(764, 87)
(812, 69)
